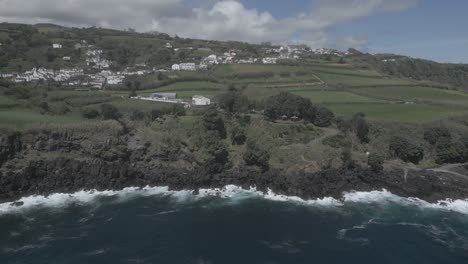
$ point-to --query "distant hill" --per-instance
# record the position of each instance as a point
(27, 46)
(413, 68)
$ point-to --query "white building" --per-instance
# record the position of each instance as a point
(200, 100)
(188, 66)
(270, 60)
(66, 58)
(176, 67)
(184, 67)
(56, 46)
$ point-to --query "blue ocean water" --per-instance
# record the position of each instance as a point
(163, 227)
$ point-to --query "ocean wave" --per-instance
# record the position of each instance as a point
(384, 196)
(230, 192)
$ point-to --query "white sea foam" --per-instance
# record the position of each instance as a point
(230, 192)
(384, 196)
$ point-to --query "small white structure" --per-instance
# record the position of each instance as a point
(56, 46)
(176, 67)
(169, 45)
(199, 100)
(270, 60)
(188, 66)
(66, 58)
(164, 96)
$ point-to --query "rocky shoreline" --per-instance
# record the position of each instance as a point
(46, 163)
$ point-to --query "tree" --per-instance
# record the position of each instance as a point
(133, 93)
(375, 162)
(216, 151)
(156, 113)
(161, 57)
(450, 152)
(51, 56)
(178, 110)
(323, 117)
(137, 84)
(238, 135)
(361, 128)
(129, 85)
(213, 121)
(91, 113)
(406, 150)
(435, 134)
(109, 111)
(287, 104)
(256, 155)
(233, 102)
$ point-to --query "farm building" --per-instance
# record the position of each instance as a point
(200, 100)
(164, 96)
(56, 46)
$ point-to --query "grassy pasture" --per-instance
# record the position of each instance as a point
(416, 93)
(417, 113)
(324, 97)
(21, 118)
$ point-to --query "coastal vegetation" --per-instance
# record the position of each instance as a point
(305, 115)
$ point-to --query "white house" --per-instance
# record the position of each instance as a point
(176, 67)
(200, 100)
(270, 60)
(56, 46)
(66, 58)
(184, 67)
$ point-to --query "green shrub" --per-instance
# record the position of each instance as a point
(109, 111)
(434, 134)
(450, 152)
(375, 162)
(323, 117)
(337, 141)
(255, 155)
(90, 113)
(406, 150)
(213, 121)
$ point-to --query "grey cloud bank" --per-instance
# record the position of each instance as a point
(206, 19)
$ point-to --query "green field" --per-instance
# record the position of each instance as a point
(6, 102)
(415, 94)
(324, 97)
(21, 118)
(399, 112)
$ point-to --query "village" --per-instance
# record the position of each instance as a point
(96, 72)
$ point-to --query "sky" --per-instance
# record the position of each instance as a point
(430, 29)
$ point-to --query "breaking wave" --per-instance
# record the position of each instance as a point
(230, 192)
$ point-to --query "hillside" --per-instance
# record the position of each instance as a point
(286, 110)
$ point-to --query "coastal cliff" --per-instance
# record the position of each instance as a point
(44, 162)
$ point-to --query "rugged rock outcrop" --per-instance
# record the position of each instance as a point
(43, 162)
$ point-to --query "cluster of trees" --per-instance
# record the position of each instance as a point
(106, 112)
(233, 101)
(406, 150)
(214, 133)
(290, 105)
(357, 124)
(446, 148)
(111, 112)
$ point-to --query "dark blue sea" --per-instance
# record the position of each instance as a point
(231, 226)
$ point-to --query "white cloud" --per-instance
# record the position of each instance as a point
(206, 19)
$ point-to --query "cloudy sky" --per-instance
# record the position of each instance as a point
(430, 29)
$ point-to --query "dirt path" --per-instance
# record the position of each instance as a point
(327, 132)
